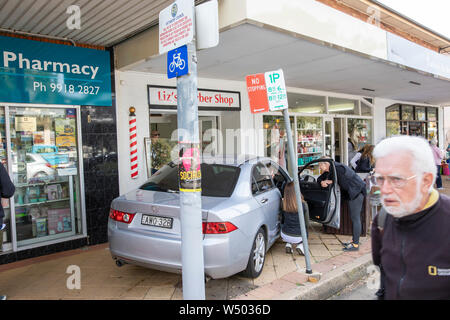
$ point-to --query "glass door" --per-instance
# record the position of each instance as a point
(309, 139)
(44, 153)
(329, 137)
(208, 135)
(338, 140)
(5, 223)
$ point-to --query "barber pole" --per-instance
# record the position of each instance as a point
(133, 144)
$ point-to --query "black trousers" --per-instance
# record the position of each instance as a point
(355, 207)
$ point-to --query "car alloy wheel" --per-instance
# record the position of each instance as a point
(259, 252)
(257, 255)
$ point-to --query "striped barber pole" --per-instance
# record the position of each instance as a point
(133, 144)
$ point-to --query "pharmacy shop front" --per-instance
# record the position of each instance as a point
(48, 90)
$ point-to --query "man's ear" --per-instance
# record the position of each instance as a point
(427, 182)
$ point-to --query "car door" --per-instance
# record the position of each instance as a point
(323, 203)
(268, 197)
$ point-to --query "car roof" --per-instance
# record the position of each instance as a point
(233, 160)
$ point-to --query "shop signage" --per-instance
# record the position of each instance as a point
(48, 73)
(276, 90)
(166, 98)
(177, 62)
(176, 27)
(257, 94)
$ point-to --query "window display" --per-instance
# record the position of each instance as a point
(309, 139)
(275, 133)
(45, 173)
(412, 120)
(359, 132)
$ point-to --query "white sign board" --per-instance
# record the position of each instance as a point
(176, 27)
(160, 97)
(276, 90)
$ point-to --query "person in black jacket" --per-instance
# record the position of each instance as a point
(414, 246)
(353, 189)
(290, 225)
(7, 190)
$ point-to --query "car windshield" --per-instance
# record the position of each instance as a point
(217, 180)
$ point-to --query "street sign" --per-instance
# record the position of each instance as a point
(276, 90)
(257, 94)
(177, 62)
(176, 27)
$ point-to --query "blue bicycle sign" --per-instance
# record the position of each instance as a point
(177, 62)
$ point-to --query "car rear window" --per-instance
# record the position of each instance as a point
(217, 180)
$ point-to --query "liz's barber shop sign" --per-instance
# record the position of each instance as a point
(41, 72)
(166, 98)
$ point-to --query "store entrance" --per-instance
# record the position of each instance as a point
(334, 136)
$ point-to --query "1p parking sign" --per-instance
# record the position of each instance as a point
(177, 62)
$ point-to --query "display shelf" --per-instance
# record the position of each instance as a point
(319, 129)
(41, 202)
(24, 185)
(317, 152)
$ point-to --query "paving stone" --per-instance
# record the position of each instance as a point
(319, 250)
(295, 278)
(135, 293)
(160, 292)
(264, 293)
(327, 236)
(281, 285)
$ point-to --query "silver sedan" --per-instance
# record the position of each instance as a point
(241, 203)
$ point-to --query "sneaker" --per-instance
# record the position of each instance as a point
(3, 227)
(2, 297)
(351, 247)
(300, 249)
(441, 188)
(288, 248)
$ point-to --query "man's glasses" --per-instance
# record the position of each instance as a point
(395, 181)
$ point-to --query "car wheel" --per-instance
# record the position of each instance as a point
(257, 255)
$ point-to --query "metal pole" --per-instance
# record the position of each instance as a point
(193, 276)
(293, 164)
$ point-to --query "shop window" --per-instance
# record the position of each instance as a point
(432, 114)
(45, 173)
(393, 113)
(420, 114)
(432, 130)
(342, 106)
(407, 113)
(392, 128)
(275, 132)
(306, 103)
(366, 110)
(309, 139)
(359, 133)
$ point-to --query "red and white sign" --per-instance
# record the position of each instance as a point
(166, 98)
(176, 26)
(257, 94)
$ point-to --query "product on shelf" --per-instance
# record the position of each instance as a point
(59, 220)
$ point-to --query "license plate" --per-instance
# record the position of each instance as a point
(156, 221)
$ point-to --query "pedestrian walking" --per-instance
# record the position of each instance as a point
(437, 160)
(7, 190)
(290, 223)
(414, 249)
(353, 189)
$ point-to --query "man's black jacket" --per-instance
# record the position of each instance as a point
(415, 253)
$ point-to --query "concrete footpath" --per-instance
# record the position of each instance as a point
(283, 276)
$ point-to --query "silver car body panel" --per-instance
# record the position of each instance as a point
(224, 254)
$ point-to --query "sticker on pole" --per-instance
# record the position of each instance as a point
(257, 94)
(276, 90)
(189, 168)
(176, 27)
(177, 62)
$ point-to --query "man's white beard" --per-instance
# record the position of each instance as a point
(403, 209)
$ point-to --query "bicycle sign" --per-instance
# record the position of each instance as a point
(177, 62)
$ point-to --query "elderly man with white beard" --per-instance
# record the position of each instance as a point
(412, 241)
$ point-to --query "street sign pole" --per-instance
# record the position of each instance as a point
(193, 276)
(293, 164)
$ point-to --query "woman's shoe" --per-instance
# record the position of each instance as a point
(351, 247)
(300, 249)
(288, 248)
